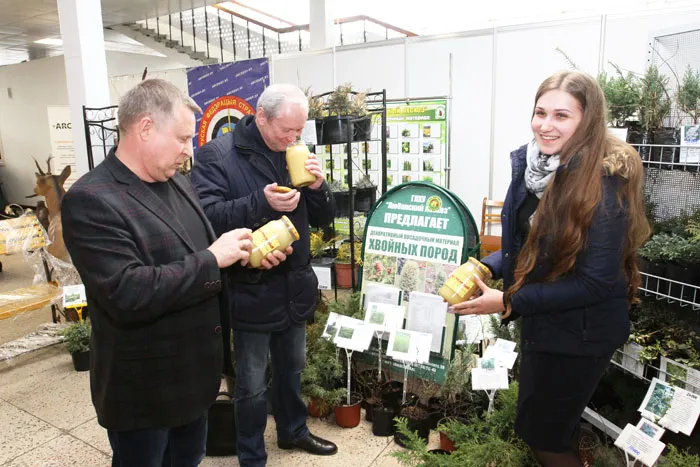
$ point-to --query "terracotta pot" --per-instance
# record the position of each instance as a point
(315, 411)
(348, 416)
(445, 442)
(343, 279)
(588, 445)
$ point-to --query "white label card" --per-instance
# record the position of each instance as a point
(74, 296)
(384, 317)
(636, 443)
(353, 334)
(409, 346)
(308, 134)
(324, 277)
(671, 407)
(486, 378)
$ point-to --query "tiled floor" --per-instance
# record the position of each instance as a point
(47, 420)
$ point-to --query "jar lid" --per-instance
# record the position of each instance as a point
(484, 269)
(290, 227)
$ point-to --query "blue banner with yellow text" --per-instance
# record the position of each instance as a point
(225, 92)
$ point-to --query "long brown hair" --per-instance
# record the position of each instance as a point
(567, 207)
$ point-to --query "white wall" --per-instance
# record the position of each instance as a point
(24, 121)
(490, 114)
(35, 85)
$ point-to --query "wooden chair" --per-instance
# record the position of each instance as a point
(490, 243)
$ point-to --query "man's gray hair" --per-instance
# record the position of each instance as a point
(275, 95)
(155, 97)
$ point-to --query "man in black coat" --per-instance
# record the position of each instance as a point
(236, 177)
(151, 265)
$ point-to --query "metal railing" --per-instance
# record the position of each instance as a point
(218, 32)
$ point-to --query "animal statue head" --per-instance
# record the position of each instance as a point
(50, 186)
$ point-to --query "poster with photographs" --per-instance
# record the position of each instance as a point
(392, 163)
(417, 130)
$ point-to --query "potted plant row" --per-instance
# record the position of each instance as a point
(345, 113)
(643, 104)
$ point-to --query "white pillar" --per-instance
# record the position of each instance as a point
(321, 24)
(86, 68)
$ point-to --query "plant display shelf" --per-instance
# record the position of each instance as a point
(649, 371)
(668, 156)
(670, 290)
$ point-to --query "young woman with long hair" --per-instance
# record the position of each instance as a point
(572, 221)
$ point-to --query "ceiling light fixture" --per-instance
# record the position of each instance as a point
(49, 41)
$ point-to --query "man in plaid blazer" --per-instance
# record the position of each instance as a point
(150, 262)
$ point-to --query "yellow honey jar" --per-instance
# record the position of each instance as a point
(297, 155)
(460, 286)
(275, 235)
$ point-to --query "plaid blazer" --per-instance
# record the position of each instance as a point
(156, 348)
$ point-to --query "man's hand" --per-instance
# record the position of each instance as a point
(275, 258)
(490, 301)
(233, 246)
(314, 167)
(281, 202)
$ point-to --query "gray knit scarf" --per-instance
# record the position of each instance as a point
(540, 169)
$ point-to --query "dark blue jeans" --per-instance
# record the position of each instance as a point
(287, 350)
(182, 446)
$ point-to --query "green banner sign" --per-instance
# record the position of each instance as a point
(417, 141)
(416, 236)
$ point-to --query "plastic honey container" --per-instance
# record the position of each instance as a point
(460, 286)
(275, 235)
(297, 154)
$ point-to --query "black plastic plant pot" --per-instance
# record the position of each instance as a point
(335, 130)
(319, 131)
(383, 421)
(362, 129)
(421, 426)
(440, 452)
(81, 361)
(666, 155)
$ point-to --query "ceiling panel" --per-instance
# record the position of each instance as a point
(24, 21)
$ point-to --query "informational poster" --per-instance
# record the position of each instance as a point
(417, 141)
(415, 238)
(62, 151)
(225, 92)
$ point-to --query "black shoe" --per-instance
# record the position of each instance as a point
(312, 444)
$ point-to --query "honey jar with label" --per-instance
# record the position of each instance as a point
(461, 285)
(296, 156)
(275, 235)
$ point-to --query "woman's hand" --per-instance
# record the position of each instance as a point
(489, 301)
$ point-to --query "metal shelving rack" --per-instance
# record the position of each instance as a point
(376, 105)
